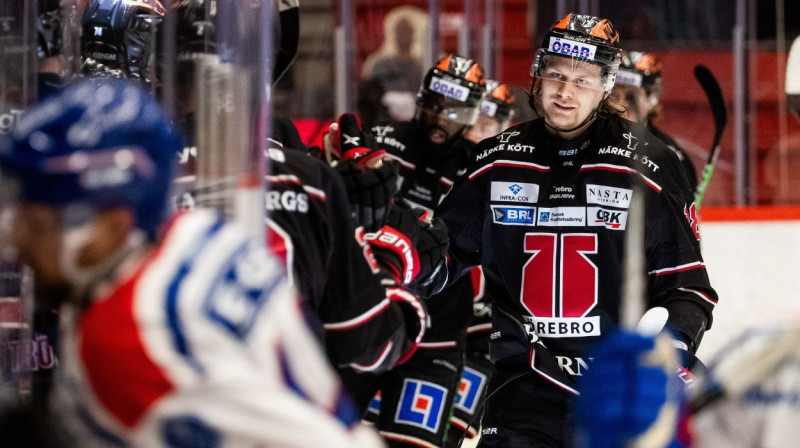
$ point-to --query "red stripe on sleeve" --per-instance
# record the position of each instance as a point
(122, 376)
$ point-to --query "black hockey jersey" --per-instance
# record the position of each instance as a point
(686, 162)
(547, 222)
(427, 173)
(366, 326)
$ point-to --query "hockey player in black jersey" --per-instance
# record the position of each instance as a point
(416, 398)
(543, 208)
(364, 325)
(497, 111)
(496, 114)
(638, 88)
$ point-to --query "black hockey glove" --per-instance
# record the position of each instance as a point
(432, 245)
(394, 245)
(370, 191)
(347, 140)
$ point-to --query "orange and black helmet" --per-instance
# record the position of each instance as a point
(498, 101)
(457, 78)
(640, 69)
(586, 38)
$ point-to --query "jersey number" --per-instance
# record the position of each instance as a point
(558, 280)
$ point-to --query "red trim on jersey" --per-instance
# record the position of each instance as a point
(559, 384)
(710, 214)
(701, 294)
(621, 169)
(479, 328)
(462, 425)
(407, 165)
(509, 163)
(410, 440)
(378, 362)
(316, 192)
(359, 320)
(283, 178)
(676, 269)
(123, 378)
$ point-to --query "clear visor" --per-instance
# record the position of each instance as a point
(582, 73)
(450, 109)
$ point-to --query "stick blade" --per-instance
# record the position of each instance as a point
(714, 94)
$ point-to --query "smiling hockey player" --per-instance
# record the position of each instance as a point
(543, 208)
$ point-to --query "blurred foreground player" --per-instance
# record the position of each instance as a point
(176, 334)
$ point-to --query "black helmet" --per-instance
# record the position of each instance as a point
(498, 102)
(48, 28)
(641, 69)
(583, 37)
(458, 80)
(119, 35)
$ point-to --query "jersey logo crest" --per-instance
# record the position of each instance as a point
(507, 135)
(381, 131)
(421, 404)
(470, 390)
(633, 141)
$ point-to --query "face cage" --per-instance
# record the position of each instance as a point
(454, 111)
(608, 71)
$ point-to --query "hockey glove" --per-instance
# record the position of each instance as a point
(370, 191)
(432, 245)
(347, 140)
(624, 396)
(394, 245)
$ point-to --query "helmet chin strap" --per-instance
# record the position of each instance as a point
(84, 278)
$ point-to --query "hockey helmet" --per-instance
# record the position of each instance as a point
(641, 69)
(119, 35)
(454, 87)
(498, 103)
(585, 39)
(196, 31)
(99, 144)
(48, 28)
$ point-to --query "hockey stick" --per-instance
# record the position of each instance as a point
(633, 318)
(717, 103)
(736, 380)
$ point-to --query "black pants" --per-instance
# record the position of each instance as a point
(525, 410)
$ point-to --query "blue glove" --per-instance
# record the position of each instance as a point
(621, 396)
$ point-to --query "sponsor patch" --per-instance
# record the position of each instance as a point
(565, 327)
(612, 219)
(515, 192)
(514, 216)
(561, 216)
(421, 404)
(488, 108)
(603, 195)
(449, 89)
(628, 78)
(470, 390)
(572, 48)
